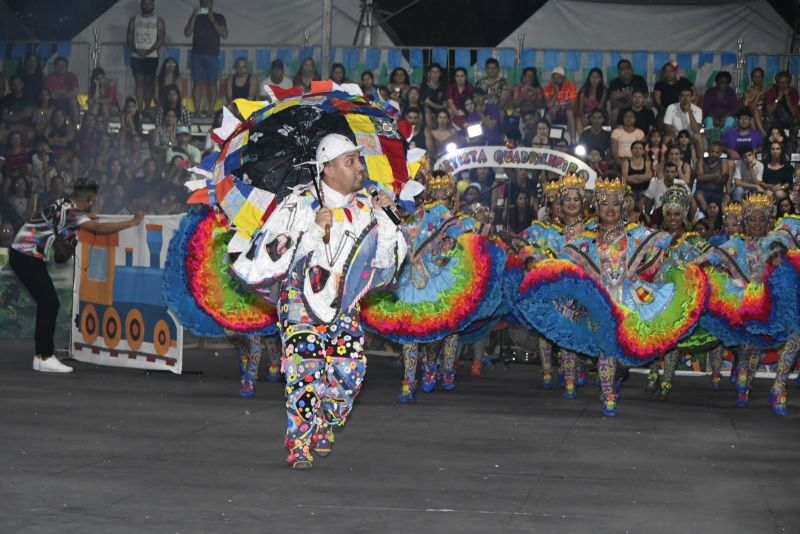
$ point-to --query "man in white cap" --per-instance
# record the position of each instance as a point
(312, 242)
(561, 96)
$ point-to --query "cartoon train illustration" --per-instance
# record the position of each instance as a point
(123, 305)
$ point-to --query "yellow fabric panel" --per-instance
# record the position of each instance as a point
(248, 219)
(248, 107)
(379, 169)
(360, 123)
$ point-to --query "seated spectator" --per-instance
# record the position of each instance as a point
(520, 212)
(17, 156)
(338, 74)
(60, 135)
(637, 170)
(781, 101)
(596, 136)
(140, 188)
(114, 174)
(55, 191)
(184, 148)
(171, 201)
(368, 85)
(540, 135)
(668, 89)
(20, 203)
(747, 174)
(433, 93)
(14, 109)
(240, 84)
(42, 113)
(418, 131)
(655, 150)
(412, 98)
(105, 151)
(30, 70)
(277, 77)
(592, 95)
(597, 161)
(623, 136)
(645, 118)
(164, 136)
(496, 88)
(115, 201)
(206, 28)
(134, 157)
(168, 75)
(173, 102)
(88, 138)
(63, 86)
(306, 74)
(776, 134)
(560, 98)
(778, 173)
(753, 98)
(42, 165)
(490, 118)
(633, 208)
(398, 79)
(527, 99)
(177, 172)
(102, 95)
(683, 115)
(130, 123)
(444, 133)
(785, 207)
(621, 88)
(688, 151)
(656, 188)
(720, 103)
(743, 134)
(528, 127)
(713, 217)
(457, 92)
(684, 169)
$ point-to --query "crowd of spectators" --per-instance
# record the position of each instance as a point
(719, 144)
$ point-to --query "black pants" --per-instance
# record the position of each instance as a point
(33, 274)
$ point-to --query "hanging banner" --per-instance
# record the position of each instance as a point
(473, 157)
(119, 316)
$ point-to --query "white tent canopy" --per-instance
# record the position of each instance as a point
(250, 22)
(655, 25)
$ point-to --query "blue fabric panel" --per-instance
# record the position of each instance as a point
(439, 55)
(572, 60)
(727, 58)
(483, 55)
(551, 59)
(639, 61)
(684, 60)
(795, 65)
(221, 61)
(263, 59)
(704, 58)
(594, 59)
(506, 58)
(373, 59)
(463, 58)
(174, 53)
(774, 63)
(286, 55)
(527, 58)
(415, 58)
(64, 48)
(307, 51)
(395, 58)
(659, 59)
(240, 52)
(18, 50)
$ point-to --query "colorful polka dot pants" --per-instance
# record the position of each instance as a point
(325, 367)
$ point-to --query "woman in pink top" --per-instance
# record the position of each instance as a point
(593, 94)
(457, 93)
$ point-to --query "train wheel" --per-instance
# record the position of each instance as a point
(90, 324)
(162, 340)
(112, 328)
(134, 329)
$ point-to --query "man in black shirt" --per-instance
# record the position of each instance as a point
(645, 118)
(621, 88)
(14, 108)
(206, 28)
(596, 136)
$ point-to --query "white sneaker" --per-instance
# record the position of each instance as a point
(53, 365)
(37, 362)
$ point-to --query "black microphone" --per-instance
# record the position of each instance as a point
(373, 192)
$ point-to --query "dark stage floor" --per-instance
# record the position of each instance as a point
(110, 450)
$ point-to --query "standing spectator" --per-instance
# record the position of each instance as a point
(14, 109)
(102, 95)
(146, 34)
(495, 86)
(742, 135)
(368, 85)
(63, 86)
(753, 98)
(490, 118)
(683, 115)
(778, 172)
(560, 97)
(457, 92)
(32, 77)
(206, 28)
(432, 93)
(277, 77)
(173, 102)
(168, 75)
(592, 95)
(781, 101)
(398, 79)
(623, 136)
(667, 90)
(596, 137)
(747, 174)
(416, 139)
(338, 74)
(240, 84)
(184, 148)
(720, 103)
(42, 112)
(29, 254)
(308, 73)
(621, 88)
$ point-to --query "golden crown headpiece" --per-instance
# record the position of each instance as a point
(676, 196)
(733, 208)
(756, 202)
(444, 181)
(571, 181)
(609, 187)
(479, 212)
(551, 188)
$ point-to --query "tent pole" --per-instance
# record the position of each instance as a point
(327, 21)
(739, 62)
